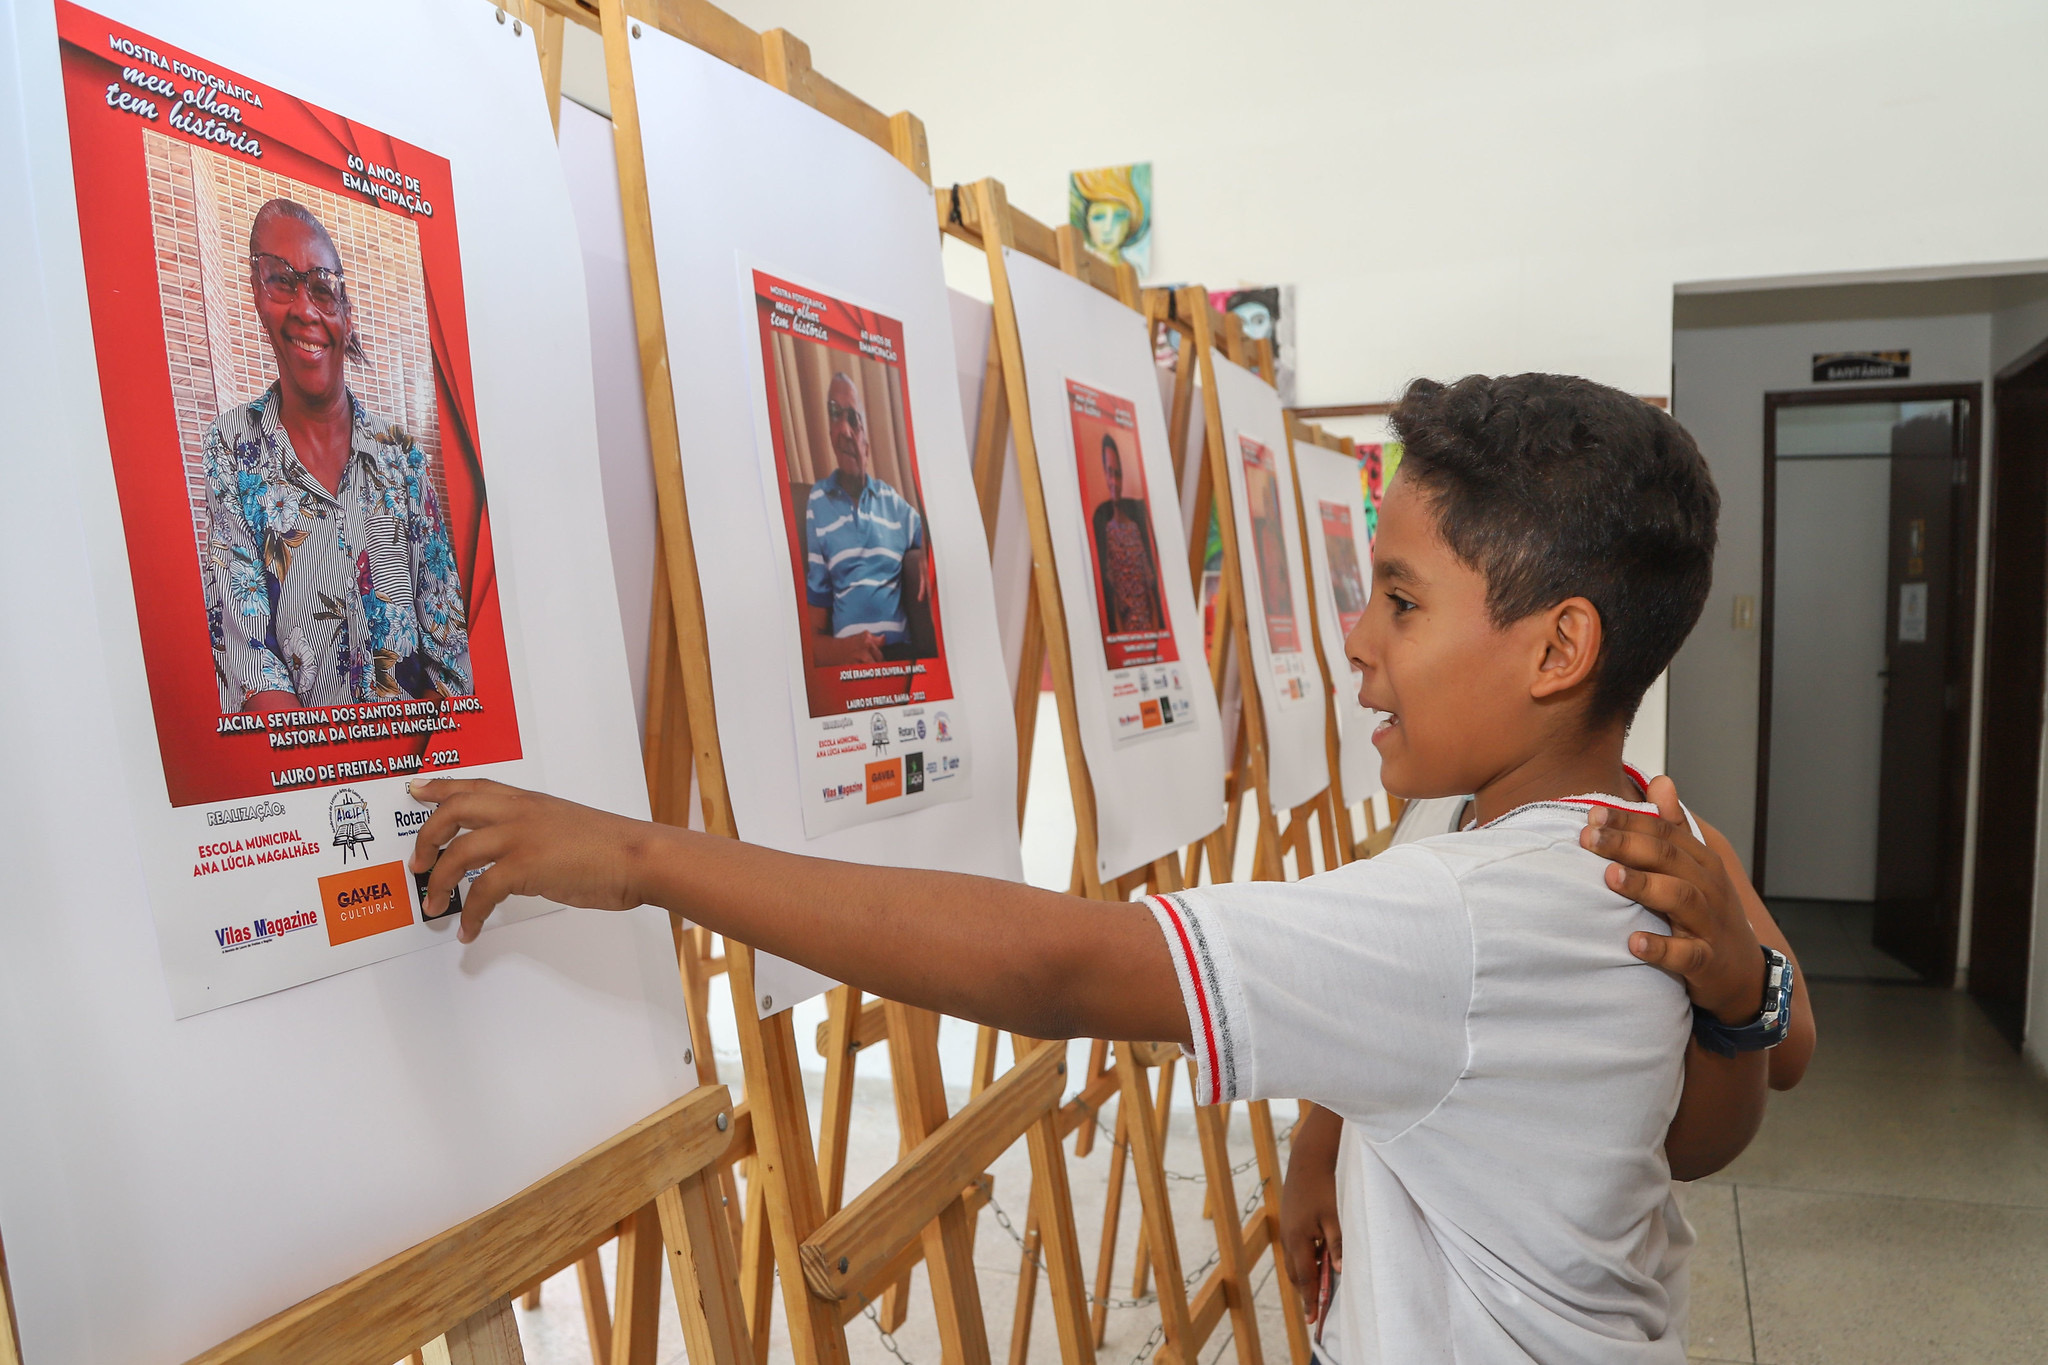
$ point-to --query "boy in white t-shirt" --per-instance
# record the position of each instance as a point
(1468, 1004)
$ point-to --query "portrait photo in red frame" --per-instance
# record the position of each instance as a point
(296, 632)
(852, 505)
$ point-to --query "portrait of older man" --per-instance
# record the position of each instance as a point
(329, 574)
(864, 548)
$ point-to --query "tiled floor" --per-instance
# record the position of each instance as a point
(1895, 1206)
(1832, 939)
(1894, 1209)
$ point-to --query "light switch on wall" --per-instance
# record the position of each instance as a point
(1745, 612)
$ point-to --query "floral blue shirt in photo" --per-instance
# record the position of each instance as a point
(331, 597)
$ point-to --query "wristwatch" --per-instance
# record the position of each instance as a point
(1769, 1027)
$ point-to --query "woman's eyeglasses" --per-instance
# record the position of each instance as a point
(281, 283)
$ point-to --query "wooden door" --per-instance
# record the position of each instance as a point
(1926, 695)
(2008, 784)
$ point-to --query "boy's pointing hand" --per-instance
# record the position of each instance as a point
(1662, 866)
(527, 844)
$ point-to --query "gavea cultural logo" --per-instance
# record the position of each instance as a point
(370, 900)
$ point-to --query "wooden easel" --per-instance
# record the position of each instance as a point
(1206, 332)
(449, 1299)
(1344, 846)
(980, 215)
(831, 1262)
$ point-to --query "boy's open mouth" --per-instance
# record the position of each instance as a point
(1388, 720)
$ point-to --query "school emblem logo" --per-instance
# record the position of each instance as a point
(879, 729)
(349, 814)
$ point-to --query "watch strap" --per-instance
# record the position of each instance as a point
(1773, 1021)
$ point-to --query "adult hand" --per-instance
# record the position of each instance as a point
(1662, 866)
(528, 844)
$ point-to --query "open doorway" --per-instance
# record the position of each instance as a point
(1867, 625)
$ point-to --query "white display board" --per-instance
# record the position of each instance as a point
(1088, 364)
(1289, 682)
(590, 162)
(817, 230)
(166, 1182)
(1010, 554)
(1340, 567)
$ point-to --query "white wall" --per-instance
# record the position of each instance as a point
(1492, 185)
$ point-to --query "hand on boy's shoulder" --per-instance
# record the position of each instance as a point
(1661, 865)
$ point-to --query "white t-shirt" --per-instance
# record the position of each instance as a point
(1505, 1070)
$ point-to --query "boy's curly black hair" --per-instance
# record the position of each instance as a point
(1555, 487)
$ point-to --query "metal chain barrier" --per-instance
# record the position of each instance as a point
(888, 1338)
(1239, 1169)
(1188, 1281)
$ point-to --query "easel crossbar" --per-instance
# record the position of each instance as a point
(392, 1308)
(852, 1246)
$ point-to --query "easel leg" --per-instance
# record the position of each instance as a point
(1112, 1211)
(705, 1271)
(835, 1118)
(1270, 1176)
(1027, 1289)
(1098, 1057)
(782, 1135)
(487, 1337)
(1232, 1264)
(1147, 1160)
(949, 1239)
(1163, 1108)
(597, 1313)
(636, 1320)
(984, 1059)
(1052, 1210)
(757, 1261)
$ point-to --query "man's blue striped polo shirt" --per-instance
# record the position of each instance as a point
(855, 548)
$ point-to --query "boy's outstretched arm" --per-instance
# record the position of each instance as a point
(1034, 962)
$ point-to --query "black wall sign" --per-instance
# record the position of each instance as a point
(1836, 366)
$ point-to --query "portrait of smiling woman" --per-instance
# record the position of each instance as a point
(329, 573)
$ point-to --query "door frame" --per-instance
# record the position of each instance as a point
(1962, 616)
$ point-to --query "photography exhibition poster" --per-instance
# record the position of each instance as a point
(877, 738)
(1148, 688)
(276, 299)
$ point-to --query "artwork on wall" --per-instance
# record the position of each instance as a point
(1267, 311)
(1377, 461)
(1112, 207)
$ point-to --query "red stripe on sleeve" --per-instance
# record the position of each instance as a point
(1187, 950)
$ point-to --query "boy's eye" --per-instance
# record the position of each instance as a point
(1401, 604)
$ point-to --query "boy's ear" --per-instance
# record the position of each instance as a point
(1573, 635)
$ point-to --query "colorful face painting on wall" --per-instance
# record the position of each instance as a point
(1377, 462)
(1267, 312)
(1111, 206)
